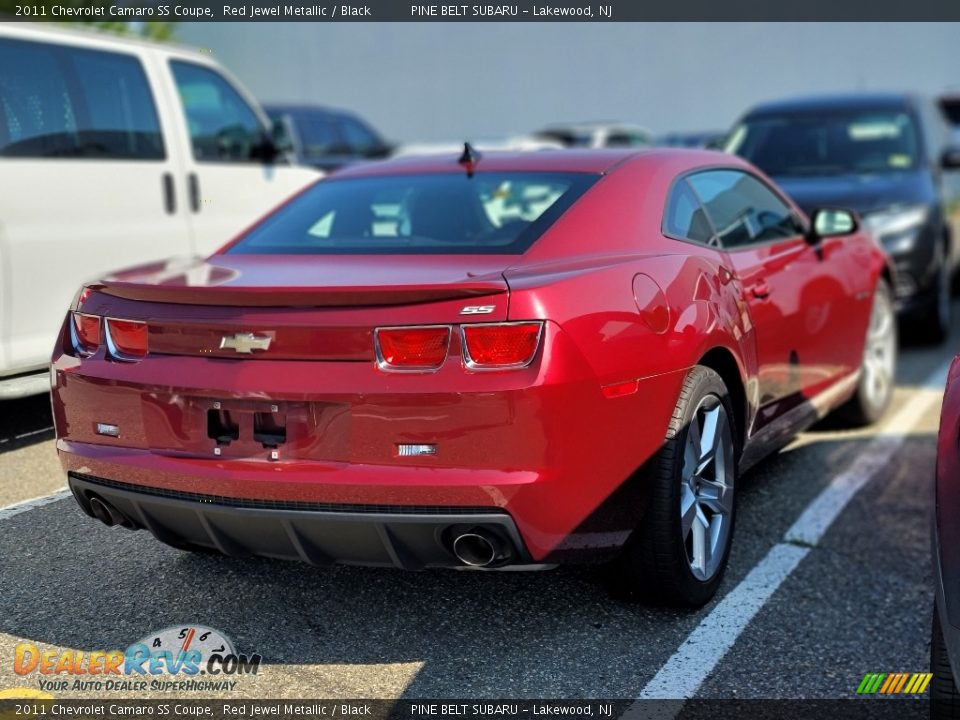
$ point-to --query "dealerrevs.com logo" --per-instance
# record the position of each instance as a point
(170, 660)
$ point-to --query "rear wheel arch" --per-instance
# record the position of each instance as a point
(722, 361)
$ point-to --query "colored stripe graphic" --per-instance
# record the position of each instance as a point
(891, 681)
(894, 683)
(903, 680)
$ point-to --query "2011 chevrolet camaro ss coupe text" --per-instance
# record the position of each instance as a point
(502, 360)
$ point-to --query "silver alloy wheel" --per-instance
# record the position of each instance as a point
(706, 493)
(879, 352)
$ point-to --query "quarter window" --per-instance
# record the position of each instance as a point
(65, 102)
(685, 217)
(222, 126)
(743, 210)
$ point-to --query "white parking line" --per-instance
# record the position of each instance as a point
(10, 511)
(686, 670)
(26, 435)
(33, 432)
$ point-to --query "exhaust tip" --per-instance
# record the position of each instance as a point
(106, 513)
(474, 549)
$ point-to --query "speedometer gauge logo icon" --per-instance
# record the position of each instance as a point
(186, 638)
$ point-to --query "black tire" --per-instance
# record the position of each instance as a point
(655, 565)
(935, 321)
(944, 697)
(870, 401)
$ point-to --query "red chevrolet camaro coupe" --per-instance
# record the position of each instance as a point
(522, 359)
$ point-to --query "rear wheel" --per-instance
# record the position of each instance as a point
(944, 697)
(679, 552)
(879, 365)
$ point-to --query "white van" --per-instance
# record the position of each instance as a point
(115, 152)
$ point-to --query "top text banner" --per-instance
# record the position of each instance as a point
(525, 11)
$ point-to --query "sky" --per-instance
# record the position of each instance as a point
(455, 81)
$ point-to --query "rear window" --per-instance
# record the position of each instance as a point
(497, 213)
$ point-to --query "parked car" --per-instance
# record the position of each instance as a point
(887, 156)
(517, 359)
(597, 135)
(513, 143)
(945, 634)
(712, 140)
(328, 139)
(114, 151)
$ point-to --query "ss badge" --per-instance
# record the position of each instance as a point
(478, 309)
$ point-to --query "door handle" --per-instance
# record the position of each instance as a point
(760, 290)
(193, 190)
(169, 194)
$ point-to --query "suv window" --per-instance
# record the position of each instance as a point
(63, 102)
(358, 138)
(743, 210)
(317, 135)
(223, 127)
(685, 217)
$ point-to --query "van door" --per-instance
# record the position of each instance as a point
(87, 180)
(231, 177)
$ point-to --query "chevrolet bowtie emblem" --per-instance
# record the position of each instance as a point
(245, 342)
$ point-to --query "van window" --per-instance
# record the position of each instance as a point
(65, 102)
(223, 127)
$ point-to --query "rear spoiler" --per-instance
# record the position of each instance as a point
(240, 296)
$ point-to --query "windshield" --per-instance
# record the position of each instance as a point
(829, 143)
(441, 213)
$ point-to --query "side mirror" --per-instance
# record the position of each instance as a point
(950, 159)
(280, 137)
(832, 222)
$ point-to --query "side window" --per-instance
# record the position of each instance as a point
(358, 138)
(685, 217)
(743, 210)
(63, 102)
(317, 134)
(626, 138)
(223, 127)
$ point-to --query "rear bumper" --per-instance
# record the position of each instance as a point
(411, 538)
(542, 445)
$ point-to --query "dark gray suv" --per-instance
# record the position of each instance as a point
(887, 156)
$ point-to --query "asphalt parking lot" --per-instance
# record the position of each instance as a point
(858, 599)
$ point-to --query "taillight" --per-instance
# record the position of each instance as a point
(85, 333)
(126, 339)
(496, 346)
(412, 348)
